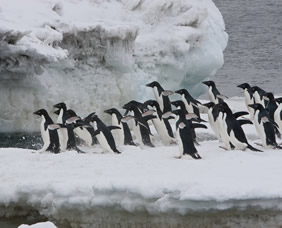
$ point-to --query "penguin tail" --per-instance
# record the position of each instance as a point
(196, 156)
(79, 150)
(253, 149)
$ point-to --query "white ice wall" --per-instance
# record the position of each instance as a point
(100, 54)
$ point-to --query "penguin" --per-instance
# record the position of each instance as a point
(50, 138)
(191, 104)
(124, 131)
(104, 135)
(214, 94)
(62, 109)
(212, 117)
(271, 105)
(264, 126)
(72, 122)
(140, 126)
(161, 124)
(184, 135)
(179, 104)
(258, 94)
(249, 99)
(278, 114)
(234, 130)
(84, 133)
(163, 101)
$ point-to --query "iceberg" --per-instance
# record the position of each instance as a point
(98, 54)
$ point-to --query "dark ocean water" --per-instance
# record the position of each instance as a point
(254, 50)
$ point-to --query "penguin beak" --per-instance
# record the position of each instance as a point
(150, 84)
(108, 111)
(37, 113)
(57, 112)
(205, 82)
(177, 91)
(240, 86)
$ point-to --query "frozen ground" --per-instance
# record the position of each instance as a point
(148, 180)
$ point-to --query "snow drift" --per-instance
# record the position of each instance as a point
(98, 54)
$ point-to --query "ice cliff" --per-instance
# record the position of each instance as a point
(96, 54)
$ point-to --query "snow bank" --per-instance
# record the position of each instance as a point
(39, 225)
(150, 180)
(98, 54)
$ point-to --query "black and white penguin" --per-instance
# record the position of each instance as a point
(184, 135)
(264, 126)
(124, 133)
(258, 94)
(161, 124)
(61, 112)
(278, 114)
(249, 99)
(191, 104)
(141, 128)
(104, 135)
(233, 129)
(271, 105)
(163, 101)
(212, 117)
(214, 94)
(50, 138)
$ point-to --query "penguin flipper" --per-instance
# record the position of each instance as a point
(242, 122)
(147, 118)
(113, 128)
(197, 125)
(253, 149)
(238, 114)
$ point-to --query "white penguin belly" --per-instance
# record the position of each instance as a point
(104, 142)
(63, 138)
(162, 131)
(84, 134)
(260, 129)
(277, 118)
(119, 131)
(180, 144)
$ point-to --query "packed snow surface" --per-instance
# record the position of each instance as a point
(98, 54)
(144, 179)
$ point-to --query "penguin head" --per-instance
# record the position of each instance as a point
(178, 103)
(223, 107)
(151, 103)
(133, 105)
(41, 112)
(153, 84)
(209, 105)
(256, 106)
(111, 111)
(61, 105)
(278, 100)
(70, 113)
(269, 97)
(178, 112)
(209, 83)
(181, 91)
(244, 86)
(88, 118)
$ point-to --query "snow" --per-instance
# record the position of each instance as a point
(76, 50)
(148, 179)
(39, 225)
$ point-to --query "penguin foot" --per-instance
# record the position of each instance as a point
(178, 157)
(222, 147)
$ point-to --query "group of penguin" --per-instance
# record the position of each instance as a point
(265, 113)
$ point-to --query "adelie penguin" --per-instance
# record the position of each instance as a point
(258, 94)
(141, 128)
(50, 137)
(249, 99)
(191, 104)
(184, 134)
(161, 96)
(104, 135)
(265, 126)
(161, 124)
(124, 133)
(278, 114)
(233, 129)
(214, 94)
